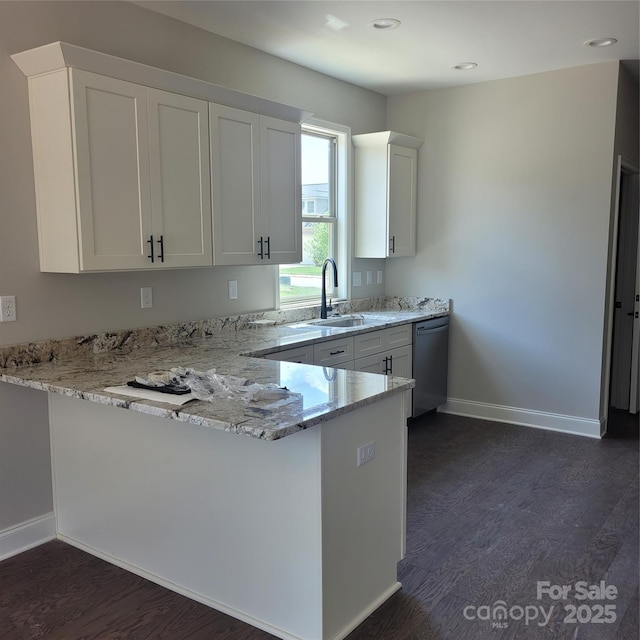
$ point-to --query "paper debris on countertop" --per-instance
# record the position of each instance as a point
(147, 394)
(204, 385)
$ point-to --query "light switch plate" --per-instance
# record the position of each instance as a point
(146, 297)
(369, 277)
(357, 279)
(233, 289)
(379, 276)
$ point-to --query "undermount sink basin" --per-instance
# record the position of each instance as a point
(339, 322)
(334, 321)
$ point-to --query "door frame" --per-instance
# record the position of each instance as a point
(626, 166)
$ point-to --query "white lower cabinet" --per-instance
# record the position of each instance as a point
(334, 352)
(395, 362)
(386, 351)
(302, 355)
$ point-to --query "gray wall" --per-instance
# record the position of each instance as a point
(57, 305)
(514, 205)
(25, 465)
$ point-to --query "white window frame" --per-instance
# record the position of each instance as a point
(343, 171)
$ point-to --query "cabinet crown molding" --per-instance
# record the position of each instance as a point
(59, 55)
(379, 138)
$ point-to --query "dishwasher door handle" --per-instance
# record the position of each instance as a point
(423, 331)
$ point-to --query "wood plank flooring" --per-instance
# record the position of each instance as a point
(492, 509)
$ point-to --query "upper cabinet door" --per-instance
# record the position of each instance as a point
(235, 137)
(402, 201)
(180, 179)
(386, 187)
(281, 190)
(111, 160)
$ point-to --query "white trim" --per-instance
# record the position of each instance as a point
(629, 167)
(344, 199)
(218, 606)
(524, 417)
(58, 55)
(27, 535)
(363, 615)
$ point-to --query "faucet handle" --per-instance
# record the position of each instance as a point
(329, 307)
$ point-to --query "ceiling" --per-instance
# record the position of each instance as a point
(506, 38)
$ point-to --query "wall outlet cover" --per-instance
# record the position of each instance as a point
(357, 279)
(366, 453)
(8, 311)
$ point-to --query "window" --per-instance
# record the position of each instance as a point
(323, 214)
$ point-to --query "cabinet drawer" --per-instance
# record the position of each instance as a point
(382, 340)
(399, 336)
(303, 355)
(334, 352)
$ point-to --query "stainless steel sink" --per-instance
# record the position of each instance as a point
(336, 321)
(345, 321)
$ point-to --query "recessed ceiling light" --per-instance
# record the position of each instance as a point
(465, 66)
(385, 24)
(601, 42)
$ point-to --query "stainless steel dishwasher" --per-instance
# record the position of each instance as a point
(430, 364)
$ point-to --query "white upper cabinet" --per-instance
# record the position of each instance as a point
(257, 215)
(122, 174)
(235, 182)
(386, 191)
(123, 170)
(180, 179)
(111, 161)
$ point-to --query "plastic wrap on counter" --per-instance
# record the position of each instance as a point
(209, 385)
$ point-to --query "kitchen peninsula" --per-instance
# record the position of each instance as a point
(282, 529)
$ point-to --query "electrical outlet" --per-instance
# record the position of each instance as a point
(369, 277)
(233, 289)
(379, 276)
(8, 312)
(357, 278)
(366, 453)
(146, 297)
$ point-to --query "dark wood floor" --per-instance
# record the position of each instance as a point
(492, 509)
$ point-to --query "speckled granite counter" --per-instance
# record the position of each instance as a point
(83, 367)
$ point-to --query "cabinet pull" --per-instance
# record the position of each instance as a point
(392, 244)
(261, 252)
(388, 365)
(161, 243)
(335, 353)
(268, 241)
(150, 243)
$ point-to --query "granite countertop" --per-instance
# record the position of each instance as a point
(316, 394)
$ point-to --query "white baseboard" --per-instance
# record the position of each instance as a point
(363, 615)
(214, 604)
(524, 417)
(27, 535)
